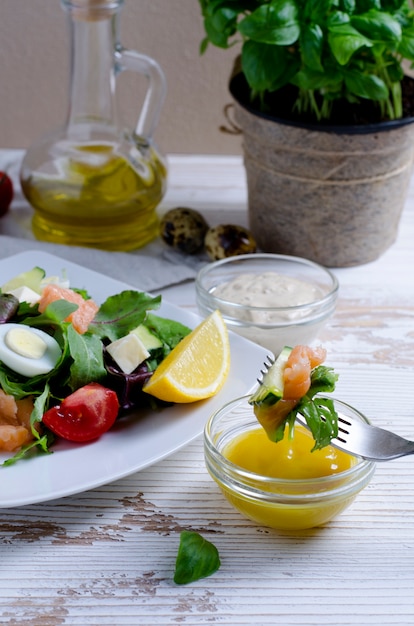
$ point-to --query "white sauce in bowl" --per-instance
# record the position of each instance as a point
(269, 290)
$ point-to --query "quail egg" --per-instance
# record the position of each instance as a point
(228, 240)
(28, 351)
(184, 229)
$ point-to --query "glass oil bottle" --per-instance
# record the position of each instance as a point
(93, 183)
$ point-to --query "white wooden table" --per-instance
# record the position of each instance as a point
(107, 556)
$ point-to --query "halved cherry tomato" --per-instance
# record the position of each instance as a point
(84, 415)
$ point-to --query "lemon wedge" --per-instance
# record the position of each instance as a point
(197, 367)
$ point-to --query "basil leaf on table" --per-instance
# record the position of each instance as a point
(197, 558)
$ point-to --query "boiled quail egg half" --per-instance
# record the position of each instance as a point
(28, 351)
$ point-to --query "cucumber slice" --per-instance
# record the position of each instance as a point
(270, 390)
(269, 407)
(31, 279)
(150, 341)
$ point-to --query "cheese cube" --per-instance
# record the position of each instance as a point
(128, 352)
(25, 294)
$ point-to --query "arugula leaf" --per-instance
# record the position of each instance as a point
(168, 331)
(40, 406)
(321, 418)
(197, 558)
(43, 443)
(40, 441)
(323, 380)
(87, 354)
(121, 313)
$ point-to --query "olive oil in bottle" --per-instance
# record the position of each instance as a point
(97, 198)
(92, 182)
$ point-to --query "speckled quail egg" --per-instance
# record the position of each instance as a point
(184, 229)
(228, 240)
(28, 351)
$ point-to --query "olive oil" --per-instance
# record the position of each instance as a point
(97, 198)
(94, 182)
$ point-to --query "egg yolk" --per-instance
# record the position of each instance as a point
(290, 458)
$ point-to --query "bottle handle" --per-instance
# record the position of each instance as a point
(156, 92)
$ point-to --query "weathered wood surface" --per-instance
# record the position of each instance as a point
(106, 557)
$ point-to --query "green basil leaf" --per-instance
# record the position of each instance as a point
(365, 5)
(311, 43)
(274, 23)
(337, 19)
(395, 70)
(315, 11)
(310, 80)
(267, 67)
(378, 26)
(348, 6)
(344, 40)
(406, 46)
(366, 85)
(391, 5)
(221, 26)
(197, 558)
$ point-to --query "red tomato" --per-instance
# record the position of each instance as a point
(6, 193)
(84, 415)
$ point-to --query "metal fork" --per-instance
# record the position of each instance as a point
(370, 442)
(359, 438)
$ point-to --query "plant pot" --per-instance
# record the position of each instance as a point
(332, 194)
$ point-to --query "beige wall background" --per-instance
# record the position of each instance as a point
(34, 73)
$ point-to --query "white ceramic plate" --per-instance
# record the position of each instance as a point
(136, 441)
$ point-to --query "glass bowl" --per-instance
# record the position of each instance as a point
(275, 323)
(280, 503)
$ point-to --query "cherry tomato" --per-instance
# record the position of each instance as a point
(84, 415)
(6, 193)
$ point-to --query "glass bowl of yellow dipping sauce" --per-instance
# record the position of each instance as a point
(274, 300)
(281, 485)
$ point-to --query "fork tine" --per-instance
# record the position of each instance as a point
(344, 426)
(267, 365)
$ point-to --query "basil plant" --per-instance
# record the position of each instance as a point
(327, 49)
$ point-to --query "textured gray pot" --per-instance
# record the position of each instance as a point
(334, 196)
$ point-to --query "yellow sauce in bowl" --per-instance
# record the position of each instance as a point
(281, 485)
(291, 475)
(290, 458)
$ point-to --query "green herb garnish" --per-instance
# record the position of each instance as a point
(197, 558)
(352, 50)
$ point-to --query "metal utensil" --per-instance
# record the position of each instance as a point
(359, 438)
(370, 442)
